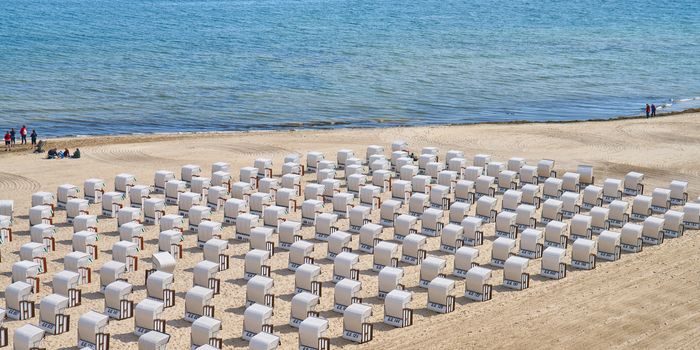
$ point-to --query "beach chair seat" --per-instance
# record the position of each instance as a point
(472, 173)
(652, 230)
(452, 238)
(338, 242)
(586, 175)
(477, 286)
(583, 254)
(326, 224)
(514, 275)
(458, 165)
(556, 234)
(552, 211)
(592, 197)
(609, 246)
(432, 222)
(581, 227)
(458, 211)
(418, 203)
(464, 260)
(679, 192)
(571, 182)
(397, 311)
(389, 279)
(464, 191)
(385, 254)
(691, 216)
(633, 184)
(408, 171)
(501, 250)
(641, 208)
(310, 210)
(631, 238)
(532, 195)
(486, 209)
(92, 331)
(123, 182)
(506, 225)
(358, 217)
(552, 188)
(440, 295)
(303, 306)
(448, 179)
(545, 169)
(531, 244)
(526, 216)
(553, 263)
(421, 183)
(346, 293)
(612, 190)
(494, 168)
(401, 190)
(599, 219)
(660, 200)
(430, 268)
(413, 249)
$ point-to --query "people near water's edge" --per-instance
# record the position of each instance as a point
(653, 110)
(33, 136)
(8, 139)
(648, 109)
(12, 136)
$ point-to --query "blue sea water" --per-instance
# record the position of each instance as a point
(72, 67)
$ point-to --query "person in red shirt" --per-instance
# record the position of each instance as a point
(648, 110)
(7, 141)
(23, 134)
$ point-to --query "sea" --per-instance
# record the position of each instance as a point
(97, 67)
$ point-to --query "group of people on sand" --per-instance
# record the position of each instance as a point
(61, 154)
(651, 110)
(11, 137)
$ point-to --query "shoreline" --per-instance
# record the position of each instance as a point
(93, 140)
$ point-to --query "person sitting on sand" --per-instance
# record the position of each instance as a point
(66, 153)
(53, 154)
(76, 154)
(40, 147)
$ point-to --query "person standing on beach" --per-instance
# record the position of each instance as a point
(7, 141)
(12, 136)
(33, 136)
(648, 110)
(653, 110)
(23, 134)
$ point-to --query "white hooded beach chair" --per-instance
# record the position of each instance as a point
(408, 171)
(432, 222)
(258, 290)
(389, 279)
(526, 216)
(376, 164)
(413, 251)
(189, 172)
(264, 167)
(93, 190)
(652, 230)
(511, 200)
(423, 161)
(153, 210)
(215, 251)
(369, 237)
(19, 301)
(356, 326)
(123, 182)
(79, 263)
(325, 174)
(52, 314)
(220, 166)
(494, 168)
(148, 316)
(404, 225)
(273, 216)
(552, 188)
(430, 268)
(580, 227)
(208, 230)
(44, 234)
(222, 179)
(342, 203)
(204, 274)
(486, 209)
(482, 160)
(127, 215)
(631, 238)
(261, 238)
(264, 341)
(528, 175)
(160, 180)
(259, 201)
(118, 304)
(506, 225)
(126, 252)
(501, 250)
(641, 208)
(358, 217)
(553, 263)
(477, 286)
(241, 190)
(6, 229)
(432, 169)
(346, 293)
(153, 341)
(612, 190)
(556, 234)
(571, 182)
(507, 180)
(138, 194)
(452, 238)
(217, 197)
(345, 266)
(397, 311)
(172, 222)
(112, 202)
(330, 188)
(92, 331)
(160, 287)
(440, 295)
(473, 233)
(374, 150)
(44, 198)
(458, 211)
(609, 246)
(448, 179)
(199, 301)
(592, 197)
(338, 242)
(674, 223)
(440, 197)
(27, 337)
(545, 169)
(287, 198)
(306, 279)
(75, 207)
(206, 332)
(385, 254)
(256, 262)
(660, 200)
(388, 212)
(326, 224)
(300, 252)
(485, 186)
(457, 165)
(552, 211)
(40, 214)
(531, 195)
(342, 156)
(27, 271)
(586, 175)
(633, 184)
(571, 204)
(170, 241)
(312, 333)
(531, 244)
(245, 223)
(691, 216)
(292, 166)
(312, 160)
(65, 283)
(421, 184)
(464, 260)
(404, 160)
(36, 253)
(233, 208)
(679, 192)
(112, 271)
(86, 242)
(599, 219)
(303, 306)
(355, 182)
(583, 254)
(288, 233)
(514, 275)
(370, 196)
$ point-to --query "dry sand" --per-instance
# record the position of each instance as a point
(645, 300)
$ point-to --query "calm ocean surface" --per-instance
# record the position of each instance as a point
(114, 67)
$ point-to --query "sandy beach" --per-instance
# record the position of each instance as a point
(645, 300)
